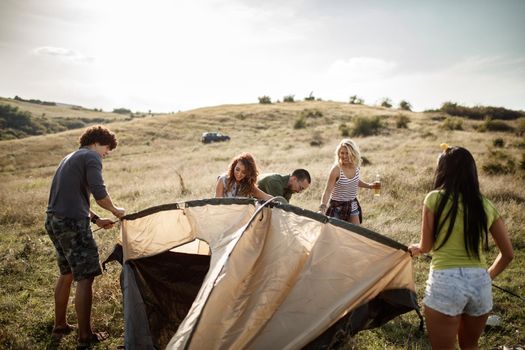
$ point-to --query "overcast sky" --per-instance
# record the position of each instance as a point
(175, 55)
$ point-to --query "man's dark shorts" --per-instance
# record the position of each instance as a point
(76, 249)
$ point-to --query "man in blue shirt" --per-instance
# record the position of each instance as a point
(78, 176)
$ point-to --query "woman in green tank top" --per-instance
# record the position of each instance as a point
(456, 222)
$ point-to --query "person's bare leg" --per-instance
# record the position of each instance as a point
(442, 329)
(83, 301)
(62, 290)
(354, 219)
(470, 329)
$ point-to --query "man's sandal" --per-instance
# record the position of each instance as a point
(96, 337)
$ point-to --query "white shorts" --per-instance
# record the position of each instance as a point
(464, 290)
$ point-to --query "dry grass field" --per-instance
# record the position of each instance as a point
(160, 159)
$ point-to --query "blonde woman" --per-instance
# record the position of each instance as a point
(241, 179)
(340, 194)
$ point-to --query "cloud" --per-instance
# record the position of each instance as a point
(64, 54)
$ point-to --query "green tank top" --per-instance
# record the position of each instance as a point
(453, 254)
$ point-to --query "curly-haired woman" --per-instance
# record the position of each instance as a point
(241, 179)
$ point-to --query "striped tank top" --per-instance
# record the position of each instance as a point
(345, 189)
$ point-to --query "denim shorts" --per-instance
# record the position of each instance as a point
(457, 291)
(76, 250)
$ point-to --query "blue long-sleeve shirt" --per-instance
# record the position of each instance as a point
(78, 175)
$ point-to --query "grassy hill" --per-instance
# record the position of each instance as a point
(22, 118)
(160, 159)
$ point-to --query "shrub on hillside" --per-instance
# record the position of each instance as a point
(451, 123)
(499, 142)
(35, 101)
(499, 163)
(520, 128)
(402, 121)
(19, 122)
(386, 102)
(344, 129)
(354, 100)
(288, 98)
(499, 168)
(405, 105)
(494, 125)
(480, 112)
(310, 97)
(265, 100)
(300, 123)
(122, 111)
(366, 126)
(311, 113)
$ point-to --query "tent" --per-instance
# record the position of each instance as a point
(232, 273)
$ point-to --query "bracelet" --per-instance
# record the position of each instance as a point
(94, 218)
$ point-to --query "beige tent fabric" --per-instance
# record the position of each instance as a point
(164, 230)
(276, 282)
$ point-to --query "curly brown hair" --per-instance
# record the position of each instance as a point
(99, 134)
(247, 184)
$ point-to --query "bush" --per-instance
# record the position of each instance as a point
(386, 102)
(520, 128)
(364, 126)
(495, 125)
(288, 98)
(496, 168)
(499, 142)
(405, 105)
(122, 111)
(345, 131)
(354, 100)
(499, 163)
(300, 123)
(480, 112)
(310, 97)
(402, 121)
(451, 123)
(311, 113)
(265, 100)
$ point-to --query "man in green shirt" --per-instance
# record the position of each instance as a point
(284, 185)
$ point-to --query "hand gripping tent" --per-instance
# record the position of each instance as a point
(230, 273)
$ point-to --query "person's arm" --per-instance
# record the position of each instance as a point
(259, 194)
(104, 223)
(330, 184)
(368, 185)
(426, 240)
(107, 204)
(219, 188)
(499, 233)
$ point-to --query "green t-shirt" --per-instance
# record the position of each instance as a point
(453, 254)
(275, 185)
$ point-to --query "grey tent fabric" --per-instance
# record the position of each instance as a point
(233, 274)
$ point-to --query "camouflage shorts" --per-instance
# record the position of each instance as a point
(76, 249)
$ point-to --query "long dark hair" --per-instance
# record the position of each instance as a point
(457, 177)
(247, 184)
